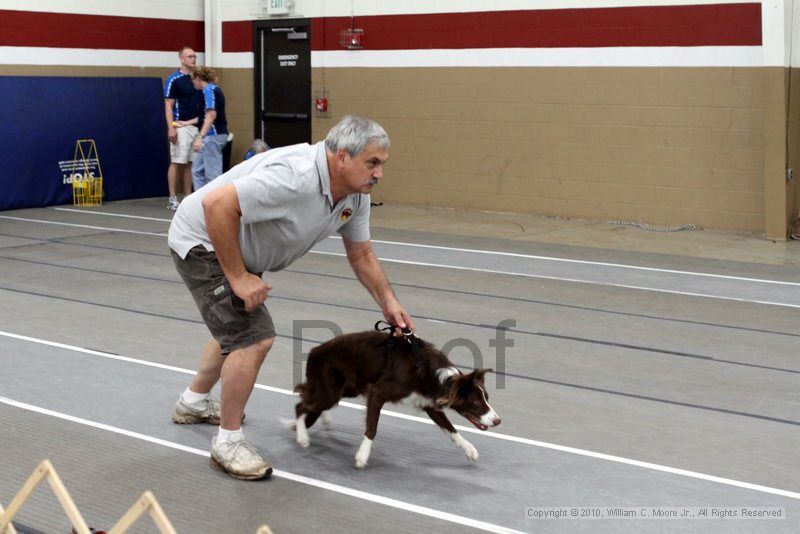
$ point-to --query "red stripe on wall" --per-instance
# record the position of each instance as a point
(237, 36)
(64, 30)
(697, 25)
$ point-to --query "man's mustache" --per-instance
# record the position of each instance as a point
(372, 181)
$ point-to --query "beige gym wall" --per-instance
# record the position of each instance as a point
(668, 146)
(237, 85)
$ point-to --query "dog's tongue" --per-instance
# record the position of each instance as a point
(476, 422)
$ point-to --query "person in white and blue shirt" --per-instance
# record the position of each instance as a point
(213, 135)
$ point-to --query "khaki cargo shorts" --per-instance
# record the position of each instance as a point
(181, 151)
(222, 311)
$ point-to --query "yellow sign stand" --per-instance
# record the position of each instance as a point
(87, 189)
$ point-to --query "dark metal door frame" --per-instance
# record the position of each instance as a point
(258, 65)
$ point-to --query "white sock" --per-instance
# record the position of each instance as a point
(224, 436)
(193, 399)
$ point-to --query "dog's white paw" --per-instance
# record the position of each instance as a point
(303, 440)
(325, 417)
(362, 456)
(469, 449)
(302, 433)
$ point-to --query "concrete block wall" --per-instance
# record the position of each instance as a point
(667, 146)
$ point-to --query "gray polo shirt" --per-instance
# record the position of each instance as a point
(286, 204)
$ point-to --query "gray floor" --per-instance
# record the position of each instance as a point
(636, 380)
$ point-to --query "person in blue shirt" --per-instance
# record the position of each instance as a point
(182, 106)
(214, 132)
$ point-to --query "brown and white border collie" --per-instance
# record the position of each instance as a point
(361, 364)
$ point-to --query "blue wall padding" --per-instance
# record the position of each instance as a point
(42, 117)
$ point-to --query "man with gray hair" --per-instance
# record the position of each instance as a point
(261, 216)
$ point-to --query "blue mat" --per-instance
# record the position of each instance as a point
(45, 116)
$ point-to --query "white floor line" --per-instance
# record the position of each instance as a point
(493, 253)
(358, 494)
(528, 275)
(83, 226)
(495, 435)
(490, 271)
(123, 215)
(583, 262)
(574, 280)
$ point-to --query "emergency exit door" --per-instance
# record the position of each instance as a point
(283, 82)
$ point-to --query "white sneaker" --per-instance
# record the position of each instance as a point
(183, 414)
(173, 203)
(238, 458)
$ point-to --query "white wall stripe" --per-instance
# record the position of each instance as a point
(89, 57)
(237, 60)
(506, 437)
(363, 495)
(773, 33)
(695, 56)
(645, 56)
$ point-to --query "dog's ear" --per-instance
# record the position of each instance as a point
(478, 374)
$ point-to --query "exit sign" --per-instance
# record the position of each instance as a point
(279, 7)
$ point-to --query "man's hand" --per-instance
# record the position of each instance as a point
(251, 289)
(395, 314)
(198, 144)
(172, 135)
